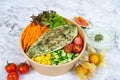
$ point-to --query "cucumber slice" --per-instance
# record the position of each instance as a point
(54, 53)
(62, 62)
(63, 54)
(54, 62)
(59, 52)
(76, 55)
(69, 60)
(70, 55)
(56, 56)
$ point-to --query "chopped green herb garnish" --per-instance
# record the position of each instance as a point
(98, 37)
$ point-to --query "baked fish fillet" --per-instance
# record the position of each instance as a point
(53, 40)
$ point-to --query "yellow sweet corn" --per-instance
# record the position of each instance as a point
(47, 58)
(42, 56)
(33, 58)
(43, 59)
(48, 62)
(38, 58)
(49, 55)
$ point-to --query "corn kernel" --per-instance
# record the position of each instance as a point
(48, 62)
(42, 62)
(47, 58)
(39, 61)
(39, 58)
(36, 59)
(33, 58)
(45, 62)
(42, 56)
(48, 55)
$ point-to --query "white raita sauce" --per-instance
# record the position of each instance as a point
(102, 44)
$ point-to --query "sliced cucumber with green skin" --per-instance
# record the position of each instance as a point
(54, 53)
(63, 54)
(77, 54)
(60, 57)
(69, 60)
(56, 56)
(62, 62)
(70, 55)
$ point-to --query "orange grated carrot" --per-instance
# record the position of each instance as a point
(32, 32)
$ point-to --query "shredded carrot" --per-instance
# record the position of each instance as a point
(32, 32)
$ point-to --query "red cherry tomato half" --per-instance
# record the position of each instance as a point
(78, 40)
(10, 67)
(77, 48)
(68, 48)
(13, 76)
(23, 68)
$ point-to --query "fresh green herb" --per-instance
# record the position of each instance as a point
(98, 37)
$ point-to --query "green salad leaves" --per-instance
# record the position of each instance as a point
(50, 18)
(56, 21)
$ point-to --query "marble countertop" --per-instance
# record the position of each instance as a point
(15, 15)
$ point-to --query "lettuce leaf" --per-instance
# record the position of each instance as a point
(50, 18)
(56, 21)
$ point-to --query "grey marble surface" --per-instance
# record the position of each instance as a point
(15, 15)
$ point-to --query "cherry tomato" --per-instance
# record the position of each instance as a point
(13, 76)
(77, 48)
(68, 48)
(10, 67)
(23, 68)
(78, 40)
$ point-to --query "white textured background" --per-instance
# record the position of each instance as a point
(15, 15)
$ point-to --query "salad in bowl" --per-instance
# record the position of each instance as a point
(52, 44)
